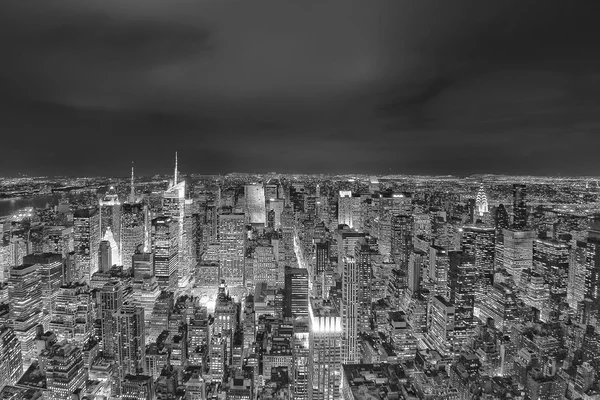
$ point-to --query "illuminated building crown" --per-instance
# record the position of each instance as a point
(481, 201)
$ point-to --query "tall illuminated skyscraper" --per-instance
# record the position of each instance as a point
(518, 251)
(300, 356)
(481, 202)
(232, 243)
(519, 206)
(325, 359)
(165, 250)
(173, 206)
(502, 219)
(11, 362)
(296, 293)
(130, 340)
(132, 231)
(110, 219)
(104, 256)
(25, 296)
(73, 315)
(401, 240)
(111, 301)
(50, 268)
(551, 260)
(86, 241)
(478, 242)
(350, 309)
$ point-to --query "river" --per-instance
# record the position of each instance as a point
(8, 207)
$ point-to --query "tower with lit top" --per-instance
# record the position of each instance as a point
(481, 202)
(325, 359)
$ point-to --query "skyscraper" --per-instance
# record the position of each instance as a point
(518, 252)
(478, 242)
(519, 206)
(25, 296)
(501, 219)
(481, 202)
(325, 359)
(132, 231)
(86, 241)
(11, 362)
(110, 219)
(296, 293)
(104, 256)
(50, 272)
(173, 207)
(65, 372)
(232, 243)
(73, 315)
(111, 301)
(350, 308)
(130, 340)
(165, 250)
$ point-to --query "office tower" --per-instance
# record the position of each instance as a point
(441, 326)
(165, 249)
(173, 207)
(417, 260)
(86, 240)
(232, 243)
(322, 262)
(518, 252)
(73, 315)
(439, 263)
(143, 265)
(300, 357)
(296, 293)
(325, 357)
(132, 231)
(65, 372)
(501, 219)
(348, 209)
(519, 206)
(363, 257)
(225, 313)
(145, 294)
(481, 202)
(551, 260)
(592, 273)
(255, 204)
(479, 243)
(275, 206)
(346, 242)
(130, 340)
(11, 362)
(111, 301)
(350, 309)
(25, 296)
(401, 240)
(104, 256)
(499, 304)
(50, 272)
(110, 219)
(265, 266)
(581, 259)
(462, 276)
(288, 226)
(216, 355)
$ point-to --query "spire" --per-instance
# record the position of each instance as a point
(175, 177)
(132, 193)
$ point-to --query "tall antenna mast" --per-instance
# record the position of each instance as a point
(132, 193)
(175, 178)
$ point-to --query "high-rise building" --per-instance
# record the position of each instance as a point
(173, 207)
(517, 252)
(86, 241)
(325, 357)
(348, 209)
(143, 265)
(350, 308)
(110, 219)
(111, 301)
(551, 260)
(501, 219)
(363, 256)
(25, 296)
(481, 202)
(130, 340)
(65, 372)
(519, 206)
(73, 315)
(300, 357)
(401, 240)
(104, 256)
(462, 276)
(50, 268)
(232, 242)
(478, 242)
(296, 293)
(11, 362)
(439, 263)
(441, 326)
(132, 231)
(165, 249)
(255, 204)
(500, 304)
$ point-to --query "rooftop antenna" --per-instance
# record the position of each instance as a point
(175, 178)
(132, 193)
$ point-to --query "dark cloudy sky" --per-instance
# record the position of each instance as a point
(374, 86)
